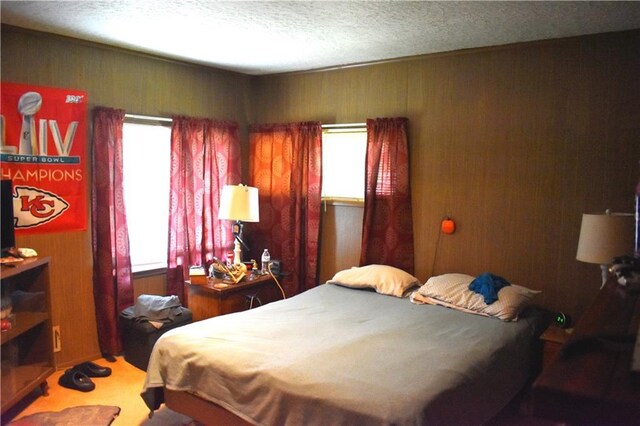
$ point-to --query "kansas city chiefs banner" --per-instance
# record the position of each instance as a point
(43, 152)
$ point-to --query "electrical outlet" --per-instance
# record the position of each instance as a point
(57, 344)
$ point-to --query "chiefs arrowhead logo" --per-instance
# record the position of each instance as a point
(33, 207)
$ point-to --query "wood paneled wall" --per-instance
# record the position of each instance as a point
(514, 142)
(138, 84)
(340, 239)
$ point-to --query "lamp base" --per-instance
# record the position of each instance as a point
(237, 253)
(605, 274)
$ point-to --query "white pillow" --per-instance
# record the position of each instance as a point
(452, 290)
(383, 278)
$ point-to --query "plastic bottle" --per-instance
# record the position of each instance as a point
(266, 258)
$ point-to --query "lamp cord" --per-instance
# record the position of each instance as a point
(276, 280)
(435, 253)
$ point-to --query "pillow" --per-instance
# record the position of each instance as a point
(383, 278)
(452, 290)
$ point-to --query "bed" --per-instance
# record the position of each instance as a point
(344, 356)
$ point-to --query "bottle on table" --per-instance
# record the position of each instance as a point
(266, 258)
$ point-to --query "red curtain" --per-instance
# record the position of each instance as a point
(112, 286)
(387, 230)
(286, 167)
(205, 156)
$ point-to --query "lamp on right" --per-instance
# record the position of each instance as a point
(603, 237)
(239, 203)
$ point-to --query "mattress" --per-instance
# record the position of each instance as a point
(335, 355)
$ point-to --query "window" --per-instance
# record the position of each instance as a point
(146, 168)
(344, 149)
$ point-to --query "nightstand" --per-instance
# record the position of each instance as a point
(552, 340)
(595, 385)
(219, 296)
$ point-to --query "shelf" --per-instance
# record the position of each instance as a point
(19, 381)
(13, 269)
(27, 348)
(23, 322)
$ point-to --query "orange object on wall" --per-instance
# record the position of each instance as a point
(448, 226)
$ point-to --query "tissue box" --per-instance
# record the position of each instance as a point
(197, 275)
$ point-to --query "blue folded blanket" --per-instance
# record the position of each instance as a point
(488, 285)
(157, 308)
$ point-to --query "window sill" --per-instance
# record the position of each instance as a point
(349, 202)
(149, 273)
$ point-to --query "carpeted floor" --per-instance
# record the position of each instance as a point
(121, 389)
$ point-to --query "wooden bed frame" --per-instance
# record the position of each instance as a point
(201, 410)
(210, 413)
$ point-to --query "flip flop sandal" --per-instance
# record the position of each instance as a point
(74, 379)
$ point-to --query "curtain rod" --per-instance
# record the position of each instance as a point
(148, 118)
(324, 126)
(340, 126)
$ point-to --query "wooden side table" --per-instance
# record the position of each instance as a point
(593, 384)
(552, 340)
(219, 296)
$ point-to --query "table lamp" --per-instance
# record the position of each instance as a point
(239, 203)
(603, 237)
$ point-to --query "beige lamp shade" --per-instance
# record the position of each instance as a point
(239, 202)
(605, 236)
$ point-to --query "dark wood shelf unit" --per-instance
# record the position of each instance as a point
(27, 347)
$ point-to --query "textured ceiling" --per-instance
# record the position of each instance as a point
(281, 36)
